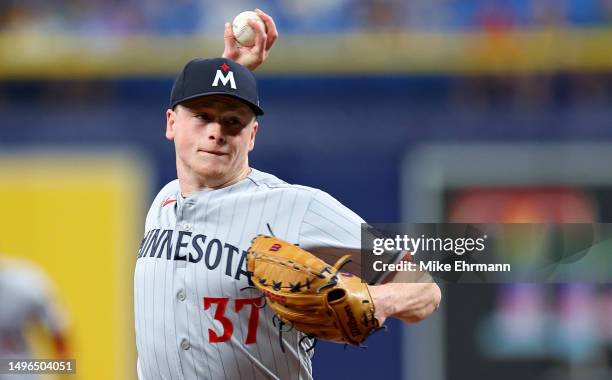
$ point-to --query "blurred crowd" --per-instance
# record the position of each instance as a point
(181, 17)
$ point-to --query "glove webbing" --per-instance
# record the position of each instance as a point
(298, 286)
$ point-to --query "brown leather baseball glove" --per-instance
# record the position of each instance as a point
(308, 294)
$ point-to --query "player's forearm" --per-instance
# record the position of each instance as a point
(410, 302)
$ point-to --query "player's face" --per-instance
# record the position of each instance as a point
(212, 136)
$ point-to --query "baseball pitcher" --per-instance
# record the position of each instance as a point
(198, 312)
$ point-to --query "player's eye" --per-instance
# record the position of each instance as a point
(233, 121)
(203, 116)
(233, 125)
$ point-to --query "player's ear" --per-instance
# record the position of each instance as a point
(170, 120)
(253, 134)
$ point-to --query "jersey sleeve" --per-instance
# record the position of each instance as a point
(328, 223)
(330, 230)
(167, 193)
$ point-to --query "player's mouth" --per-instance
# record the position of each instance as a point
(213, 152)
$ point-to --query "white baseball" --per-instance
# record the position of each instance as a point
(245, 35)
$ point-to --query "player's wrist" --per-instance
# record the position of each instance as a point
(383, 302)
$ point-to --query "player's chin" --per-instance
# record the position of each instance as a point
(211, 169)
(212, 162)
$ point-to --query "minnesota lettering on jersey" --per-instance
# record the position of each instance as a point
(180, 245)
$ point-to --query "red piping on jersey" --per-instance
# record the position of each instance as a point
(167, 201)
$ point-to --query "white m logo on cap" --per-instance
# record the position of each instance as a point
(224, 79)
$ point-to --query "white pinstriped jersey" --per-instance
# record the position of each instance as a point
(193, 321)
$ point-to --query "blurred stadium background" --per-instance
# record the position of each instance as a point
(406, 111)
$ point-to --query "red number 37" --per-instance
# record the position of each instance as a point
(228, 327)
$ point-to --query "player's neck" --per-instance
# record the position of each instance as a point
(190, 184)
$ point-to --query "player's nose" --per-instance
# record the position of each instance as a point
(214, 132)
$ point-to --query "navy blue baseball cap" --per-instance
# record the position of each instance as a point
(215, 76)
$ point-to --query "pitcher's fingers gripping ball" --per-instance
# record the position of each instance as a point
(249, 38)
(308, 294)
(243, 32)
